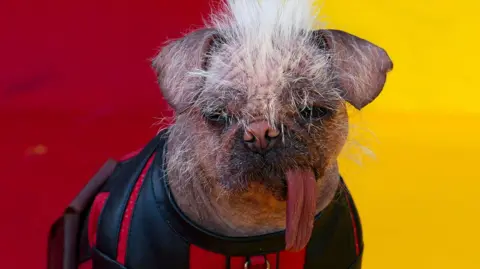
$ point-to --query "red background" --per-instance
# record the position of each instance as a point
(76, 87)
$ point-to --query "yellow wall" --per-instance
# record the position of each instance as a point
(419, 195)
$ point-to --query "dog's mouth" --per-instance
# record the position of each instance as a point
(275, 182)
(297, 186)
(290, 181)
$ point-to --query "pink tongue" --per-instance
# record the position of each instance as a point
(301, 206)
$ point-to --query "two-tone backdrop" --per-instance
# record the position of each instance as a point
(76, 88)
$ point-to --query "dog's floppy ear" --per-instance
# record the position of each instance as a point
(360, 67)
(175, 62)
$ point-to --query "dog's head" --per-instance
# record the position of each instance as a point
(260, 96)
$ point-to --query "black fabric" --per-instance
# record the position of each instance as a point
(102, 261)
(358, 262)
(356, 217)
(84, 246)
(111, 218)
(152, 243)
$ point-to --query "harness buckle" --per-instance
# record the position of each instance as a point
(248, 263)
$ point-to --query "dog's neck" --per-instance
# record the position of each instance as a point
(254, 212)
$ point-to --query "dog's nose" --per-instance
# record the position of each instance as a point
(260, 136)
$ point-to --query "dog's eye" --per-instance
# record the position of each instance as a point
(217, 116)
(314, 112)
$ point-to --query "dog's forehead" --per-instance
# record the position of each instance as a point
(261, 80)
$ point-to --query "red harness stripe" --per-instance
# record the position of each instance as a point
(272, 259)
(237, 262)
(203, 259)
(292, 260)
(97, 207)
(354, 225)
(127, 215)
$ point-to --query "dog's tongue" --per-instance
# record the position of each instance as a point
(301, 205)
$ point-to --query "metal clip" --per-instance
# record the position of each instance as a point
(247, 265)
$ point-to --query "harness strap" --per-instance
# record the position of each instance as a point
(110, 220)
(63, 241)
(111, 217)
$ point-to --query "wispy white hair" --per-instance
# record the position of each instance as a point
(251, 19)
(262, 25)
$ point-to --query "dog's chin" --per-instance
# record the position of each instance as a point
(277, 187)
(273, 183)
(239, 184)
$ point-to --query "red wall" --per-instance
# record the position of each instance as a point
(76, 87)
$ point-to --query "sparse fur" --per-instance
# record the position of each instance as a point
(260, 60)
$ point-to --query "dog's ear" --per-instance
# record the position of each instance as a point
(360, 67)
(175, 62)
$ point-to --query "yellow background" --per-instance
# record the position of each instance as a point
(412, 161)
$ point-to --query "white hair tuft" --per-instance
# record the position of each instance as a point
(255, 20)
(260, 26)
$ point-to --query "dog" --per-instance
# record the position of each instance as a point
(247, 176)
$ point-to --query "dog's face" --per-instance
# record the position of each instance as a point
(267, 107)
(264, 117)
